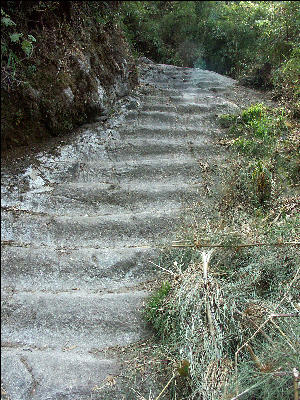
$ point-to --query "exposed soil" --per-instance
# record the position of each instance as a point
(78, 68)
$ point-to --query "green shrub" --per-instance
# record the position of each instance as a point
(14, 46)
(254, 112)
(256, 42)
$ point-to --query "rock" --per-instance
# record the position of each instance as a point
(145, 60)
(69, 94)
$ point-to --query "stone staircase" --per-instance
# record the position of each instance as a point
(79, 227)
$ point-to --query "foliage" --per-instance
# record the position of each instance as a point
(11, 44)
(262, 182)
(269, 142)
(255, 41)
(286, 82)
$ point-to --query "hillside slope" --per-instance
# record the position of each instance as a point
(62, 64)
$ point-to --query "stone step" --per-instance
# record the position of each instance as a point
(96, 199)
(183, 81)
(155, 131)
(169, 120)
(188, 108)
(170, 92)
(53, 374)
(172, 166)
(157, 168)
(193, 114)
(136, 229)
(128, 148)
(181, 98)
(30, 269)
(171, 78)
(83, 319)
(150, 116)
(187, 84)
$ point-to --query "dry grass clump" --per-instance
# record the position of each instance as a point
(227, 338)
(194, 318)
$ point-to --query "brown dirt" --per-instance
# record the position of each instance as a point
(72, 56)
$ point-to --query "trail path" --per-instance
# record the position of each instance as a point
(80, 225)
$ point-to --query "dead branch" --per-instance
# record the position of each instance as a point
(237, 246)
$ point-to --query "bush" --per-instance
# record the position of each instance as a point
(286, 81)
(256, 42)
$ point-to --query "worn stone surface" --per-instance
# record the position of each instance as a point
(81, 222)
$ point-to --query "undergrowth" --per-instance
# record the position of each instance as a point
(269, 144)
(229, 315)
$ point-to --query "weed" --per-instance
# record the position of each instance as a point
(262, 182)
(253, 113)
(226, 120)
(31, 70)
(12, 42)
(248, 146)
(271, 153)
(155, 306)
(19, 117)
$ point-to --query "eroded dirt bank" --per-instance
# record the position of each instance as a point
(78, 67)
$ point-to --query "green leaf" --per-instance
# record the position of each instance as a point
(4, 48)
(12, 61)
(7, 21)
(31, 38)
(27, 47)
(15, 37)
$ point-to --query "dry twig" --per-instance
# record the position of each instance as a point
(269, 318)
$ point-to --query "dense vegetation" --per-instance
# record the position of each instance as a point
(255, 41)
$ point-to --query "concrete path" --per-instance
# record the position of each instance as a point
(79, 227)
